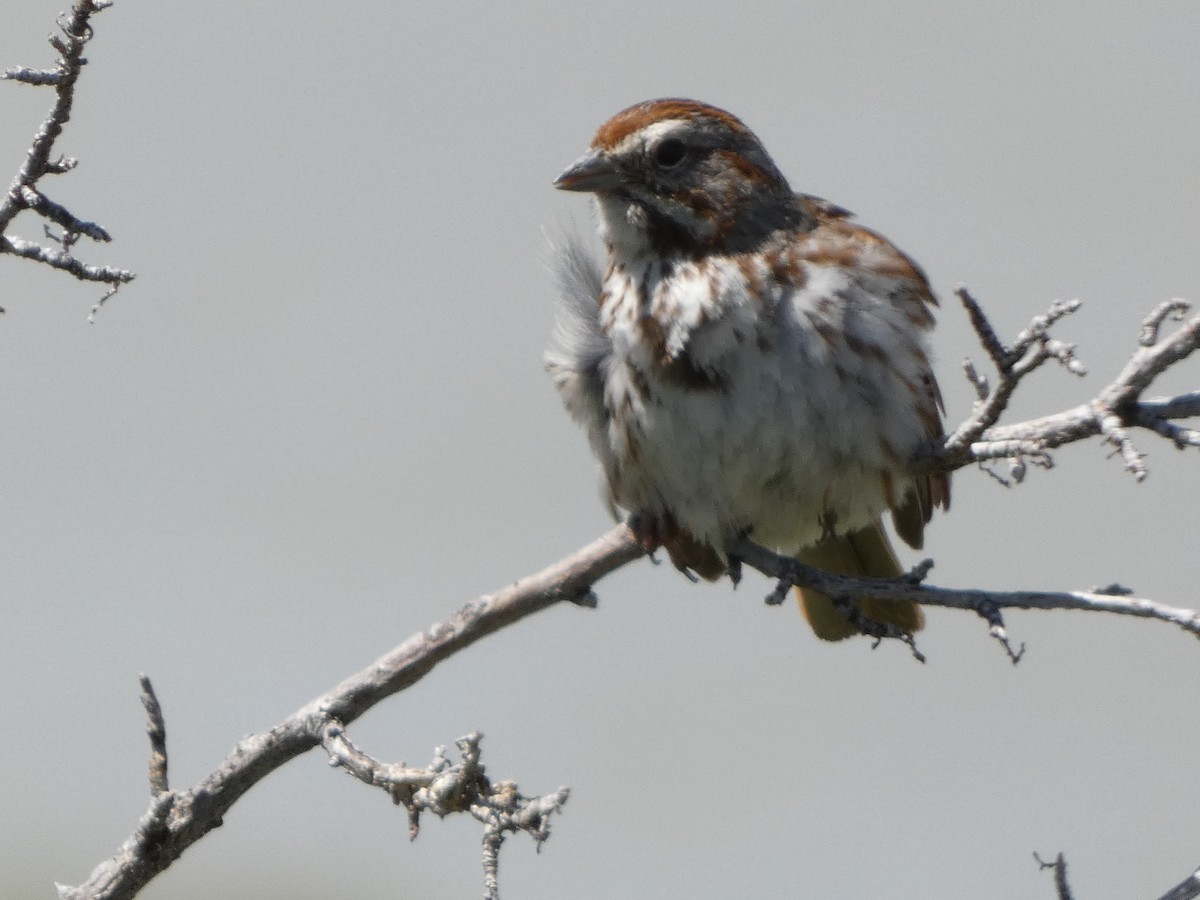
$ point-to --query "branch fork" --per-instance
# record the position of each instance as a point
(1117, 409)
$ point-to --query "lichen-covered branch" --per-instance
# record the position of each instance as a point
(25, 192)
(1119, 407)
(444, 788)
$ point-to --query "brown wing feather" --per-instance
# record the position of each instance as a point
(867, 551)
(845, 241)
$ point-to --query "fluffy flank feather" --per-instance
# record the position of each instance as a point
(580, 353)
(577, 345)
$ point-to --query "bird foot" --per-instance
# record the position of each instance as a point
(694, 558)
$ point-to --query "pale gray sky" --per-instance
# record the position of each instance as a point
(317, 422)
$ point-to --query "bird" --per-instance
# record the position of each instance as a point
(747, 361)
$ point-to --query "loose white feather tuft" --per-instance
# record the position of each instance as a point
(578, 347)
(580, 354)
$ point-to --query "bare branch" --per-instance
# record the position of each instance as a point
(23, 194)
(1186, 889)
(1018, 448)
(790, 572)
(1117, 409)
(1153, 356)
(177, 819)
(59, 260)
(1182, 406)
(1114, 433)
(39, 77)
(39, 203)
(1181, 437)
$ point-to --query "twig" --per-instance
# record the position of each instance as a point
(156, 730)
(1059, 865)
(1169, 309)
(64, 261)
(39, 203)
(1113, 432)
(1032, 347)
(99, 303)
(991, 342)
(997, 630)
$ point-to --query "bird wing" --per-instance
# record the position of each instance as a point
(838, 239)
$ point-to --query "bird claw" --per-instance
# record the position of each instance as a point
(734, 570)
(779, 594)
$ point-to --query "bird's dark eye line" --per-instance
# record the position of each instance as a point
(670, 152)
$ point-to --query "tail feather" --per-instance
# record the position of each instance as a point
(865, 551)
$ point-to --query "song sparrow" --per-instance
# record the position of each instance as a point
(750, 361)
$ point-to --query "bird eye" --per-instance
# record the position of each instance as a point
(670, 152)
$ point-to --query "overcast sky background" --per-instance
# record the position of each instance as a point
(318, 422)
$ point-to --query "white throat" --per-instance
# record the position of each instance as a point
(623, 226)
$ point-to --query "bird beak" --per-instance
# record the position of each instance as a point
(593, 171)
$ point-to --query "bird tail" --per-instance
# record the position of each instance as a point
(865, 551)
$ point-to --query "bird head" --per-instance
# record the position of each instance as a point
(679, 178)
